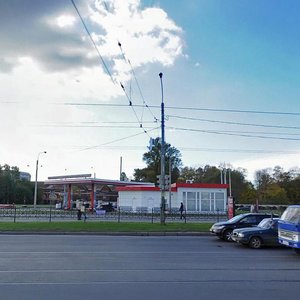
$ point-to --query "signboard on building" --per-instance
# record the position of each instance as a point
(230, 207)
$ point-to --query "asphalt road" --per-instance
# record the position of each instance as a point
(142, 268)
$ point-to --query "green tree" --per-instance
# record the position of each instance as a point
(123, 177)
(263, 180)
(293, 191)
(152, 160)
(12, 189)
(242, 190)
(248, 194)
(275, 195)
(8, 178)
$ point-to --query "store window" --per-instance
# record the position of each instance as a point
(205, 201)
(220, 200)
(191, 201)
(212, 201)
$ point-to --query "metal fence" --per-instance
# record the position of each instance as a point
(50, 214)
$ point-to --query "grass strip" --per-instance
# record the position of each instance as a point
(103, 227)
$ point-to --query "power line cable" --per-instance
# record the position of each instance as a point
(93, 42)
(91, 126)
(233, 134)
(202, 149)
(189, 108)
(235, 110)
(133, 73)
(158, 107)
(234, 123)
(106, 68)
(95, 122)
(114, 141)
(136, 81)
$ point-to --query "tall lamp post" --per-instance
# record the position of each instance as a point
(36, 176)
(162, 156)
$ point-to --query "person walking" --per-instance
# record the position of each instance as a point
(181, 209)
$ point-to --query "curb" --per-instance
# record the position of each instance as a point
(106, 233)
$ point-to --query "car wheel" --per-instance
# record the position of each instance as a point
(227, 235)
(255, 242)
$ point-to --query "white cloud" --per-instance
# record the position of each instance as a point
(56, 63)
(147, 36)
(65, 21)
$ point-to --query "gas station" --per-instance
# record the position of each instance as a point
(66, 190)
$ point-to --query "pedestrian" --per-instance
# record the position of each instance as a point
(83, 210)
(181, 209)
(79, 213)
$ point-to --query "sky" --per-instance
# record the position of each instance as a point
(70, 69)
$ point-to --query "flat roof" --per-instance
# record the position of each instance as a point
(174, 187)
(68, 180)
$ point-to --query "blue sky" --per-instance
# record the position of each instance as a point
(230, 55)
(254, 43)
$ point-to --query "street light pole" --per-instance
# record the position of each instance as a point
(162, 155)
(36, 176)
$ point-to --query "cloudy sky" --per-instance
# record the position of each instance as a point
(230, 74)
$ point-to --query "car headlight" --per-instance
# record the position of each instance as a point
(295, 237)
(240, 234)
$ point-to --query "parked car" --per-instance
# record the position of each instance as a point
(243, 208)
(264, 234)
(224, 229)
(107, 207)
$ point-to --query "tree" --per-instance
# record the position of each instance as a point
(242, 190)
(293, 190)
(152, 160)
(263, 180)
(8, 178)
(248, 194)
(123, 177)
(12, 189)
(275, 194)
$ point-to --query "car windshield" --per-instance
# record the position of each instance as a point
(267, 223)
(292, 215)
(236, 218)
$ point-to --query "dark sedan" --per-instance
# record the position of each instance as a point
(224, 229)
(265, 234)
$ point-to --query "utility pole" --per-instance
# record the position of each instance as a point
(229, 179)
(170, 186)
(162, 156)
(121, 168)
(36, 178)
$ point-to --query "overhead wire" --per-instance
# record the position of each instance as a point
(133, 74)
(93, 42)
(92, 126)
(94, 122)
(222, 150)
(166, 106)
(126, 125)
(190, 108)
(114, 141)
(232, 134)
(136, 81)
(106, 68)
(234, 123)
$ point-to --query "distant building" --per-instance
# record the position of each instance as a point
(25, 176)
(196, 197)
